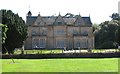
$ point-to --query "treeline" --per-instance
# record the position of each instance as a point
(107, 34)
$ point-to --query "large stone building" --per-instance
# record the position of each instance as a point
(58, 32)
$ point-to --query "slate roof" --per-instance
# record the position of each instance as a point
(51, 19)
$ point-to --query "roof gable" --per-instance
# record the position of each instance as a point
(39, 21)
(79, 21)
(59, 20)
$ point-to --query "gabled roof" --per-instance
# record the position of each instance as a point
(79, 21)
(69, 20)
(59, 20)
(39, 20)
(51, 20)
(87, 20)
(30, 20)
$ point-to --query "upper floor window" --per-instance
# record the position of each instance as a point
(84, 33)
(75, 32)
(34, 32)
(43, 31)
(71, 31)
(60, 32)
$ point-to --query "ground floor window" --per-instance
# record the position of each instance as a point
(85, 44)
(42, 43)
(70, 44)
(60, 44)
(35, 43)
(39, 43)
(77, 44)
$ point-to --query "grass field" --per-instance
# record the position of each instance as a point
(60, 65)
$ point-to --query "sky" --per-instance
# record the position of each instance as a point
(98, 10)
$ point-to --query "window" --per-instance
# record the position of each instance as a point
(85, 43)
(34, 32)
(71, 31)
(42, 43)
(85, 33)
(79, 23)
(60, 32)
(39, 43)
(60, 44)
(59, 23)
(70, 44)
(77, 44)
(76, 32)
(43, 31)
(36, 43)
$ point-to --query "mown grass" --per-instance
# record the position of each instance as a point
(60, 65)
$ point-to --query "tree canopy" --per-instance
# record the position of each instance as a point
(16, 33)
(108, 33)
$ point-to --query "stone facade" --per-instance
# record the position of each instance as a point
(58, 32)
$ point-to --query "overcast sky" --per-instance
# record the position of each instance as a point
(99, 10)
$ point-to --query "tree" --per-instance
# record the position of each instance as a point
(4, 30)
(105, 37)
(116, 17)
(16, 33)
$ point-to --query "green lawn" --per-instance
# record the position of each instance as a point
(60, 65)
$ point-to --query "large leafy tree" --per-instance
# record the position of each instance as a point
(16, 33)
(105, 37)
(108, 35)
(118, 35)
(116, 17)
(4, 30)
(3, 35)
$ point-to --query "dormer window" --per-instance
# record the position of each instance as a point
(59, 23)
(59, 20)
